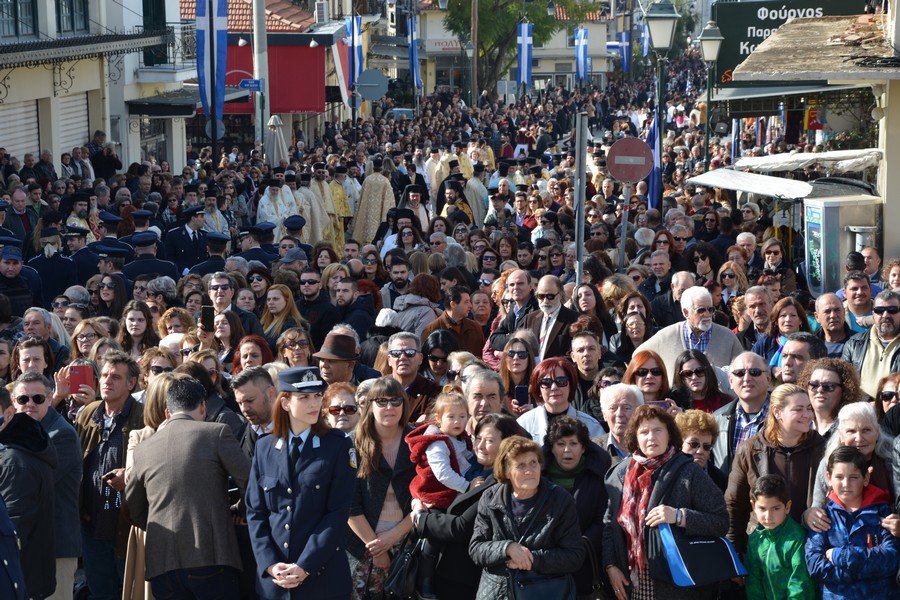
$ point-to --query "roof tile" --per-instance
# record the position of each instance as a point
(281, 15)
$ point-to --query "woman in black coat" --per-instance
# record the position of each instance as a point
(456, 575)
(578, 465)
(526, 526)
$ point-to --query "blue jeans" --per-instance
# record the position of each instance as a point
(199, 583)
(102, 570)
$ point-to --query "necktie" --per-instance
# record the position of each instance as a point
(295, 450)
(194, 238)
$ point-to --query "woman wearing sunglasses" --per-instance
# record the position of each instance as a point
(341, 410)
(113, 296)
(379, 515)
(888, 396)
(698, 430)
(409, 240)
(259, 279)
(373, 268)
(154, 362)
(647, 371)
(696, 379)
(831, 384)
(733, 280)
(436, 352)
(776, 259)
(552, 389)
(294, 347)
(516, 367)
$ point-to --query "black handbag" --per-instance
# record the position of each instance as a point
(528, 585)
(400, 581)
(688, 561)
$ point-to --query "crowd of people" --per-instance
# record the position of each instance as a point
(262, 381)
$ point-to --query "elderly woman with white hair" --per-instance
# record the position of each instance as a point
(858, 427)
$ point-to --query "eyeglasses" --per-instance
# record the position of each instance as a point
(593, 216)
(435, 243)
(728, 275)
(754, 372)
(154, 309)
(63, 304)
(636, 278)
(461, 230)
(437, 359)
(891, 310)
(406, 234)
(702, 310)
(713, 220)
(506, 301)
(485, 282)
(383, 402)
(773, 252)
(488, 258)
(94, 291)
(522, 354)
(309, 282)
(224, 287)
(296, 344)
(642, 372)
(186, 351)
(256, 278)
(37, 399)
(550, 297)
(480, 247)
(605, 383)
(157, 370)
(699, 372)
(84, 337)
(106, 286)
(547, 382)
(346, 409)
(408, 353)
(370, 261)
(662, 242)
(555, 254)
(193, 286)
(889, 396)
(828, 386)
(694, 445)
(699, 257)
(679, 239)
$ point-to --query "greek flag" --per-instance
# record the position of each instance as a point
(413, 40)
(654, 194)
(690, 85)
(354, 29)
(625, 48)
(645, 40)
(581, 54)
(212, 53)
(524, 45)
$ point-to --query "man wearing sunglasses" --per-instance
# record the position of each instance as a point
(315, 306)
(876, 353)
(551, 322)
(35, 390)
(741, 419)
(27, 461)
(404, 358)
(697, 332)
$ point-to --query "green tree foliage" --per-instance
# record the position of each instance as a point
(497, 20)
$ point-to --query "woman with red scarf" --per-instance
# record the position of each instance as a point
(635, 486)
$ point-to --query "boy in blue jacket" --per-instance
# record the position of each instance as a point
(857, 557)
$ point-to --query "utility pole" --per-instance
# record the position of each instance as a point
(260, 68)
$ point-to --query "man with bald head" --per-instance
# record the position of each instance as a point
(550, 323)
(741, 419)
(834, 330)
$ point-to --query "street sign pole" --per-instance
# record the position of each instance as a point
(581, 133)
(629, 160)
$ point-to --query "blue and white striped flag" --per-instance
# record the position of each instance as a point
(354, 34)
(212, 50)
(581, 53)
(413, 40)
(690, 85)
(645, 41)
(525, 47)
(654, 193)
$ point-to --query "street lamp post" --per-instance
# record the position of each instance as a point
(710, 42)
(661, 19)
(469, 49)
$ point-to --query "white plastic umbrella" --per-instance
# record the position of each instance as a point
(275, 149)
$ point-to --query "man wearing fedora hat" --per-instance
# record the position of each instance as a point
(337, 358)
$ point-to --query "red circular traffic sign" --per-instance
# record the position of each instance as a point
(629, 160)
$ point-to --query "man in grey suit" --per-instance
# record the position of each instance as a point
(66, 476)
(179, 494)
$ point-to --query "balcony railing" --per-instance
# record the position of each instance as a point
(178, 54)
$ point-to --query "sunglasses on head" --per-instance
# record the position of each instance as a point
(547, 382)
(346, 409)
(891, 310)
(643, 372)
(393, 401)
(409, 353)
(827, 386)
(754, 372)
(36, 398)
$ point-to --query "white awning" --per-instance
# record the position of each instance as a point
(776, 91)
(839, 161)
(763, 185)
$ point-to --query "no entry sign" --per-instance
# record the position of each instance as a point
(629, 160)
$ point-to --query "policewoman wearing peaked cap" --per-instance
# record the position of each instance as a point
(298, 498)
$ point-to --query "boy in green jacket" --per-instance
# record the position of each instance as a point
(775, 561)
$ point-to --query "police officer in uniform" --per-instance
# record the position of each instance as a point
(57, 271)
(186, 244)
(142, 224)
(293, 225)
(4, 231)
(108, 223)
(18, 282)
(257, 252)
(216, 245)
(12, 579)
(110, 261)
(299, 494)
(84, 258)
(145, 261)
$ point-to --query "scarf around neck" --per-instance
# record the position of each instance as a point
(635, 500)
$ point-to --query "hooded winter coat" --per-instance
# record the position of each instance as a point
(425, 485)
(415, 312)
(360, 315)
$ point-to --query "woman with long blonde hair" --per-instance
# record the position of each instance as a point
(280, 313)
